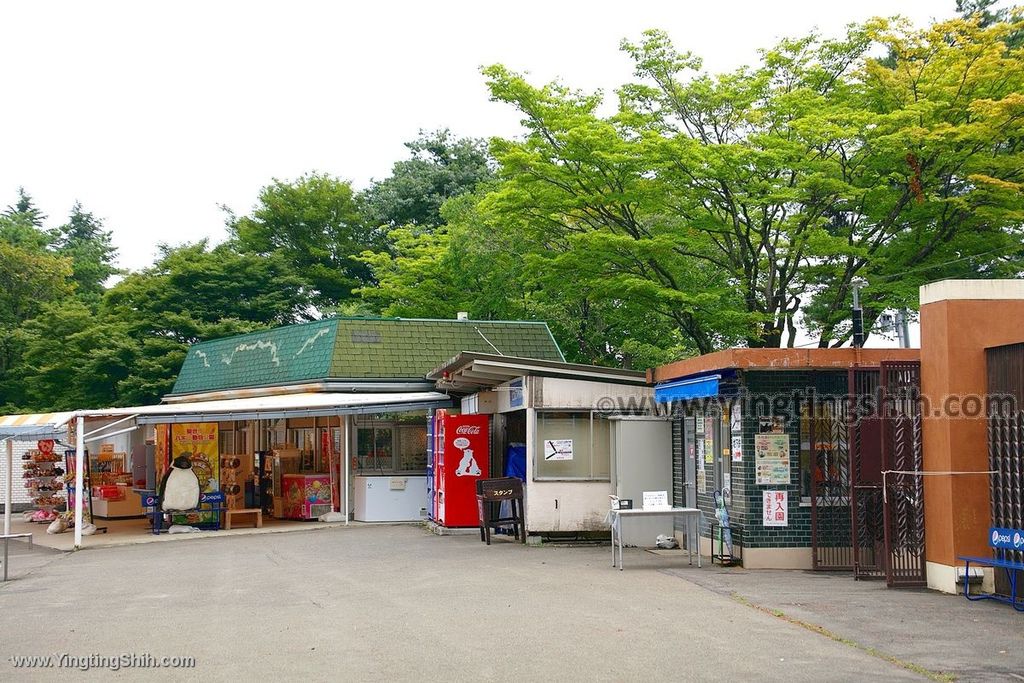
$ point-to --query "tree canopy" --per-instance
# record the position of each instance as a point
(685, 212)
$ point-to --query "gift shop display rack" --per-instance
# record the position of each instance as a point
(44, 481)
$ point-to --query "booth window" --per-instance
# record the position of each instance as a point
(391, 444)
(375, 448)
(572, 446)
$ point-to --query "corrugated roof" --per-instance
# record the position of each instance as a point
(33, 426)
(354, 348)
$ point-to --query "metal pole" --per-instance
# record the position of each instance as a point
(858, 317)
(79, 478)
(905, 328)
(348, 462)
(8, 490)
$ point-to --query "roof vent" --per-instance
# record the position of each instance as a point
(462, 315)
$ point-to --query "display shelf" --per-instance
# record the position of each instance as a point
(43, 479)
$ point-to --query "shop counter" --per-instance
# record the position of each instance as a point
(390, 498)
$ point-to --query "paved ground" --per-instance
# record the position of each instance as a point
(398, 603)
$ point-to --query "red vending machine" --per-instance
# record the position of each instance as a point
(462, 448)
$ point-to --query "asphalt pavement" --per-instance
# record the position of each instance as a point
(398, 603)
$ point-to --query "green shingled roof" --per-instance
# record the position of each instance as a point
(355, 349)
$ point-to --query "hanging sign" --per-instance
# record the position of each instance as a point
(775, 508)
(771, 459)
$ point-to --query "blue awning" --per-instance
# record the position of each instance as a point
(683, 389)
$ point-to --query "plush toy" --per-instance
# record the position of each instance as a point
(179, 489)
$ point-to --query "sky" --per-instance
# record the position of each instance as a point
(155, 114)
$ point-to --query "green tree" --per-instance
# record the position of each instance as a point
(73, 359)
(21, 224)
(128, 350)
(315, 227)
(741, 205)
(29, 279)
(440, 167)
(92, 254)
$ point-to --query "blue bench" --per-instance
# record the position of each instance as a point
(1003, 542)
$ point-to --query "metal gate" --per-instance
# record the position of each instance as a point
(867, 517)
(902, 462)
(830, 484)
(1005, 365)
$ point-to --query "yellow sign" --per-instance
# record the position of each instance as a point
(198, 442)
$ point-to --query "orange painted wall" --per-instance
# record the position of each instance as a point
(954, 336)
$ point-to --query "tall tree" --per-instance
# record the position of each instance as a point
(314, 226)
(742, 205)
(21, 224)
(89, 246)
(440, 167)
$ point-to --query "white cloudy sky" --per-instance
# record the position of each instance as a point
(154, 113)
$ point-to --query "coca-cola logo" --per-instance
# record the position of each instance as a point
(468, 429)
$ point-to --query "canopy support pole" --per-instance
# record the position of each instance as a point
(8, 489)
(79, 478)
(348, 463)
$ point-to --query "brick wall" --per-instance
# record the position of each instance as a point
(785, 389)
(20, 497)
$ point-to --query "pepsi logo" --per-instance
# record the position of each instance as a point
(1018, 540)
(995, 536)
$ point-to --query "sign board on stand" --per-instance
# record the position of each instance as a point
(656, 500)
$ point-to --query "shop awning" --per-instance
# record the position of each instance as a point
(684, 389)
(470, 371)
(278, 407)
(34, 427)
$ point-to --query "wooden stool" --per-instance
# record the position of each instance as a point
(257, 516)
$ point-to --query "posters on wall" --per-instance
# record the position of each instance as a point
(558, 449)
(771, 459)
(737, 448)
(198, 442)
(736, 430)
(709, 440)
(162, 457)
(702, 481)
(775, 508)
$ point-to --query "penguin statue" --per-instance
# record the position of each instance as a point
(179, 489)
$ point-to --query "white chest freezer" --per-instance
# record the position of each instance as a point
(390, 498)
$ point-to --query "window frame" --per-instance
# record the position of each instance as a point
(538, 447)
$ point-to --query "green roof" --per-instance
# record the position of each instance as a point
(354, 349)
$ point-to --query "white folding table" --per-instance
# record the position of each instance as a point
(692, 516)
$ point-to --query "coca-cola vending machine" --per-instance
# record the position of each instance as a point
(462, 450)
